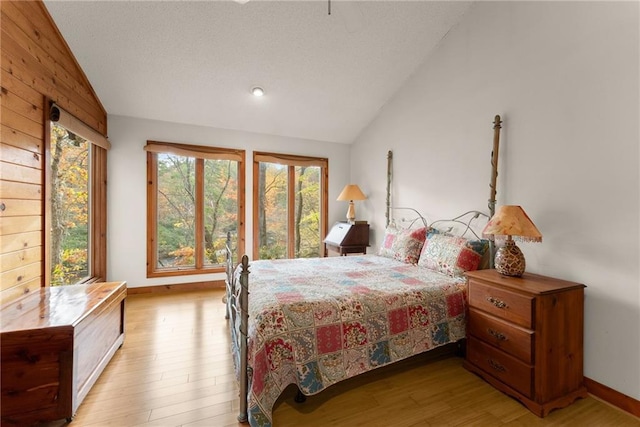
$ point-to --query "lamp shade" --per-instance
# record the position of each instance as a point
(351, 192)
(512, 221)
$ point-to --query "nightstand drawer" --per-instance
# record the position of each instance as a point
(513, 339)
(500, 365)
(501, 303)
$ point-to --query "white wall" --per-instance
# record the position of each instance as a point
(127, 177)
(564, 77)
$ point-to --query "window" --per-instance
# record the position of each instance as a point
(194, 199)
(70, 207)
(290, 206)
(75, 213)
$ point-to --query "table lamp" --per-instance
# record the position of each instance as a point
(351, 192)
(511, 222)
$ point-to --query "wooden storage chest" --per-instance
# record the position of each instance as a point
(54, 344)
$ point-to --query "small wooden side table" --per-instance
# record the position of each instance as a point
(346, 238)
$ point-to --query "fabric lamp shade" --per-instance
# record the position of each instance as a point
(351, 192)
(511, 222)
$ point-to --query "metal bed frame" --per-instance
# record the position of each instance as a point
(237, 277)
(237, 301)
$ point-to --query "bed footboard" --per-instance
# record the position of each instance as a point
(237, 297)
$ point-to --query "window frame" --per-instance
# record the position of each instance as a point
(200, 153)
(97, 256)
(291, 161)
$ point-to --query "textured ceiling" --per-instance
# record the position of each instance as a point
(325, 76)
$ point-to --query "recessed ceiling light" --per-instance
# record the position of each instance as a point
(257, 91)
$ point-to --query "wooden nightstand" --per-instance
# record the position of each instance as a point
(346, 238)
(525, 337)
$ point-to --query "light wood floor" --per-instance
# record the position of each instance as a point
(175, 370)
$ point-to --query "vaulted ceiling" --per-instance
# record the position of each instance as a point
(326, 76)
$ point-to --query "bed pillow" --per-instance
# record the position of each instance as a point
(452, 255)
(403, 244)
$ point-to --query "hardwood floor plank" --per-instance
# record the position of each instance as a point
(130, 385)
(193, 404)
(175, 369)
(224, 420)
(118, 421)
(167, 396)
(189, 417)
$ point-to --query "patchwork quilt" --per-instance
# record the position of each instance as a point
(315, 322)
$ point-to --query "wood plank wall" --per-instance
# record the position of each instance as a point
(37, 65)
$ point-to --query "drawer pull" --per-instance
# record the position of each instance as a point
(497, 335)
(495, 365)
(498, 303)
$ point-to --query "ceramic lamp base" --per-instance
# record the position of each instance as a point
(510, 260)
(351, 213)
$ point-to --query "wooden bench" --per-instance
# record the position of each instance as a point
(54, 344)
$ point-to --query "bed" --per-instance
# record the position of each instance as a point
(317, 321)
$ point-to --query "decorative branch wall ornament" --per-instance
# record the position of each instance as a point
(497, 125)
(389, 164)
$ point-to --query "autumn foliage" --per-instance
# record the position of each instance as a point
(70, 169)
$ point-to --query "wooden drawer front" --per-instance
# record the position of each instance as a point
(506, 336)
(507, 305)
(500, 365)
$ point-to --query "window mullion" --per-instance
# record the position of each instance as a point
(152, 212)
(291, 210)
(199, 249)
